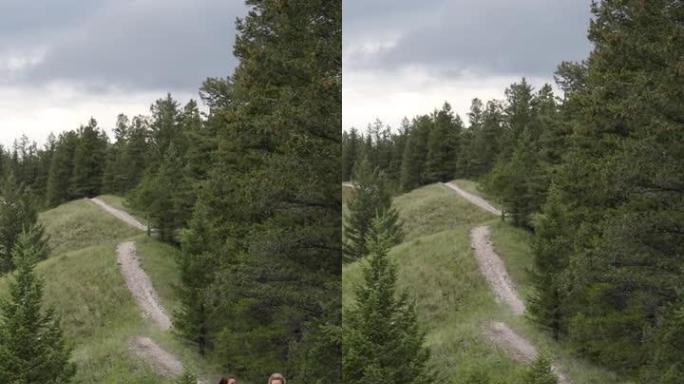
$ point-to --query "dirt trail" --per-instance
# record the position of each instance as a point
(477, 200)
(518, 347)
(494, 270)
(495, 273)
(140, 285)
(162, 361)
(119, 214)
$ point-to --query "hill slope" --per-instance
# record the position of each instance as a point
(455, 304)
(99, 315)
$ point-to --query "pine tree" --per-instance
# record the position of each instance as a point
(415, 153)
(163, 196)
(61, 169)
(32, 348)
(487, 137)
(275, 193)
(89, 160)
(16, 216)
(442, 146)
(350, 149)
(540, 372)
(197, 266)
(134, 155)
(383, 342)
(371, 198)
(551, 255)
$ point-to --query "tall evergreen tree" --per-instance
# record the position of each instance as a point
(442, 146)
(89, 161)
(61, 169)
(32, 347)
(17, 215)
(383, 342)
(371, 198)
(197, 266)
(415, 154)
(350, 149)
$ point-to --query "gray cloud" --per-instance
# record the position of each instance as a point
(131, 44)
(493, 37)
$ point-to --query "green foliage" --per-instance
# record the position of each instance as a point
(197, 266)
(371, 199)
(61, 169)
(606, 271)
(383, 342)
(89, 160)
(32, 347)
(187, 378)
(540, 372)
(17, 215)
(273, 195)
(350, 152)
(440, 164)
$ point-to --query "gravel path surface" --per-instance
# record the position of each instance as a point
(140, 285)
(494, 269)
(519, 348)
(477, 200)
(119, 214)
(162, 361)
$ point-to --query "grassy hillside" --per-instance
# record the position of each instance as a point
(437, 267)
(99, 315)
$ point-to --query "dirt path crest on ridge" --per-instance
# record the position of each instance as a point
(119, 214)
(474, 199)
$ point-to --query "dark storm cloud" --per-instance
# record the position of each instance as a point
(450, 37)
(132, 44)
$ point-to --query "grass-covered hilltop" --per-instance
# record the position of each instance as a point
(240, 273)
(589, 183)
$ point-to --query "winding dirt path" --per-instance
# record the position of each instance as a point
(119, 214)
(477, 200)
(162, 361)
(143, 292)
(519, 348)
(494, 269)
(140, 285)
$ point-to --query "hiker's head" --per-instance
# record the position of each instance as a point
(277, 378)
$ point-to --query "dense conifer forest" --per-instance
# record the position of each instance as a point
(595, 172)
(249, 191)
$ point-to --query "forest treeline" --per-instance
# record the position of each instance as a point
(249, 191)
(596, 174)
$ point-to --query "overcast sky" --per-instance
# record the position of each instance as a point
(406, 57)
(63, 61)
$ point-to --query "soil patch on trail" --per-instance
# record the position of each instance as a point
(494, 269)
(140, 285)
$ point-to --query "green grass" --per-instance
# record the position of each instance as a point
(437, 267)
(433, 209)
(79, 224)
(83, 283)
